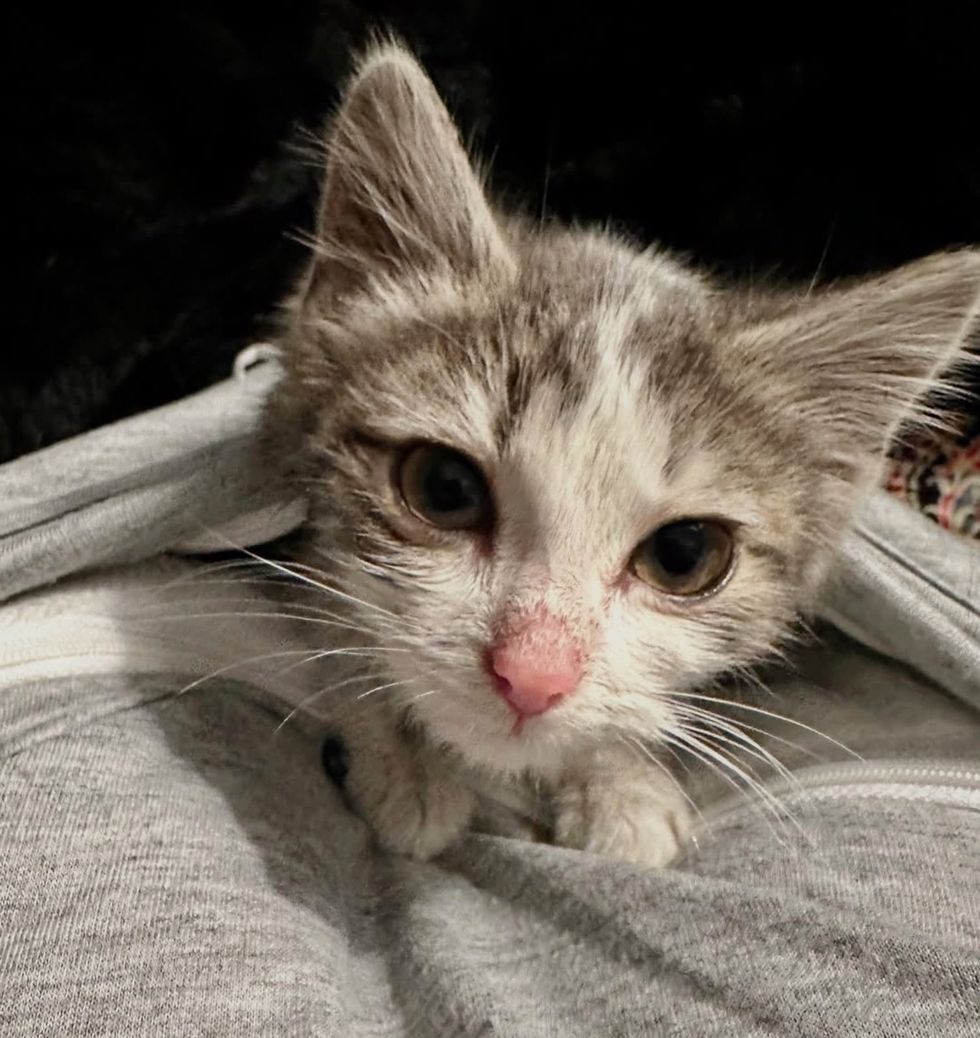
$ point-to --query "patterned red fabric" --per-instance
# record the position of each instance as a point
(940, 476)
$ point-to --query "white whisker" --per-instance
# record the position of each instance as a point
(735, 704)
(738, 738)
(309, 700)
(355, 651)
(381, 688)
(766, 799)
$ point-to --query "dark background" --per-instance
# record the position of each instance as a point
(154, 182)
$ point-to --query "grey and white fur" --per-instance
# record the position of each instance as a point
(602, 391)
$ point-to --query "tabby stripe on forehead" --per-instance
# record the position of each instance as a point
(517, 392)
(556, 364)
(560, 364)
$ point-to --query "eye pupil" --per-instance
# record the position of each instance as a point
(444, 488)
(449, 486)
(679, 547)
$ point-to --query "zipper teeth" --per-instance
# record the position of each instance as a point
(54, 639)
(888, 771)
(53, 647)
(930, 781)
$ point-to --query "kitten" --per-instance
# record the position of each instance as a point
(559, 480)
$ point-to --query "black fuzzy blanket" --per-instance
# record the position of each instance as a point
(155, 182)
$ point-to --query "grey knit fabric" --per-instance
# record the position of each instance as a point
(175, 863)
(130, 490)
(173, 867)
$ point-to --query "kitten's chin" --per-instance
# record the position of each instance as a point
(490, 738)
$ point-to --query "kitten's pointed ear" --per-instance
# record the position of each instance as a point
(401, 197)
(851, 364)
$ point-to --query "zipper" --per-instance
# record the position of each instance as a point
(931, 782)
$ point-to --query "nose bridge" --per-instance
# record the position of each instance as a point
(549, 554)
(534, 605)
(532, 626)
(547, 602)
(561, 495)
(564, 532)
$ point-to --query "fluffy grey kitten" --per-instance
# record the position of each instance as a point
(558, 481)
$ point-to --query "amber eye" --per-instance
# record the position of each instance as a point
(689, 557)
(444, 488)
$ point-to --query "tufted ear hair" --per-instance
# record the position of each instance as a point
(851, 364)
(401, 198)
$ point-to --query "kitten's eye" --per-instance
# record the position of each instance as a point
(444, 488)
(690, 557)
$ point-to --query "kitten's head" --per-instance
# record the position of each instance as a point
(569, 478)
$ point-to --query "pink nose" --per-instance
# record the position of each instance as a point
(532, 686)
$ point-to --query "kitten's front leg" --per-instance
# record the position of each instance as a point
(621, 807)
(405, 790)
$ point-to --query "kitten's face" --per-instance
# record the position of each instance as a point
(568, 480)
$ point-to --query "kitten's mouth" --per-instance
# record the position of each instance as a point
(518, 725)
(477, 725)
(521, 716)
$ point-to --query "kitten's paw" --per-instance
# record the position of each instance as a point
(415, 807)
(641, 821)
